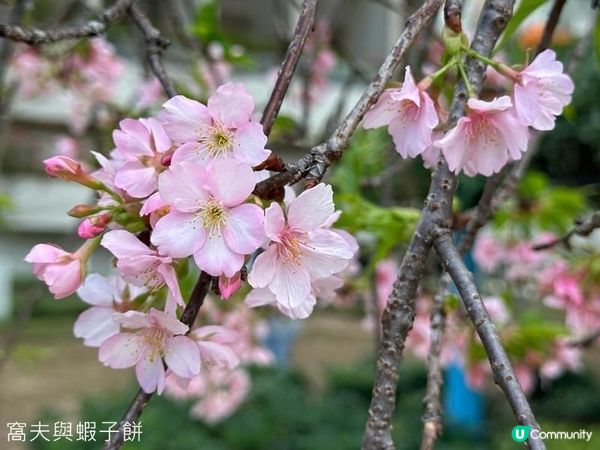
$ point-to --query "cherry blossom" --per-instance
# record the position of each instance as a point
(208, 217)
(300, 249)
(91, 227)
(107, 296)
(409, 114)
(485, 139)
(221, 129)
(68, 169)
(214, 344)
(159, 336)
(62, 271)
(542, 91)
(142, 144)
(141, 265)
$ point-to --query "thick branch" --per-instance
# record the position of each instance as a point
(504, 375)
(437, 214)
(34, 36)
(314, 164)
(142, 398)
(155, 44)
(550, 26)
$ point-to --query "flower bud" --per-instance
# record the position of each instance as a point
(93, 226)
(68, 169)
(81, 211)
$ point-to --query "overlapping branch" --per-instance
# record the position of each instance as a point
(583, 227)
(313, 165)
(97, 27)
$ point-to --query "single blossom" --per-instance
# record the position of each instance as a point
(221, 129)
(485, 139)
(141, 265)
(409, 114)
(214, 344)
(208, 216)
(300, 250)
(159, 336)
(90, 227)
(62, 271)
(106, 297)
(541, 91)
(142, 144)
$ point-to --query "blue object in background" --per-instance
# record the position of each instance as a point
(463, 406)
(280, 338)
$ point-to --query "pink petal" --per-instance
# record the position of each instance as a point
(183, 119)
(136, 179)
(182, 356)
(97, 291)
(290, 284)
(244, 230)
(178, 234)
(231, 105)
(150, 374)
(231, 182)
(63, 279)
(217, 354)
(161, 141)
(151, 204)
(263, 268)
(174, 297)
(301, 310)
(274, 221)
(498, 104)
(260, 297)
(325, 253)
(121, 350)
(311, 208)
(132, 319)
(382, 112)
(409, 89)
(133, 139)
(182, 186)
(45, 253)
(249, 144)
(95, 325)
(124, 244)
(217, 259)
(168, 321)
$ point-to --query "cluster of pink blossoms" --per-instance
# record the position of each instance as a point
(491, 134)
(178, 188)
(90, 73)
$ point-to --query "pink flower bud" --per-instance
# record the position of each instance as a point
(68, 169)
(229, 286)
(93, 226)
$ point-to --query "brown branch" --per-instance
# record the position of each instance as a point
(313, 165)
(437, 214)
(140, 401)
(583, 227)
(586, 340)
(432, 418)
(288, 67)
(550, 25)
(35, 36)
(155, 45)
(504, 375)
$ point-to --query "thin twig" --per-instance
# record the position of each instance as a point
(288, 67)
(584, 341)
(583, 227)
(550, 26)
(140, 401)
(35, 36)
(313, 165)
(504, 375)
(155, 45)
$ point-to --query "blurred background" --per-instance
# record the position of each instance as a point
(311, 387)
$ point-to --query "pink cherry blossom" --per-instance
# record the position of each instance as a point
(150, 93)
(141, 265)
(409, 114)
(497, 310)
(385, 275)
(564, 357)
(222, 129)
(485, 139)
(107, 296)
(208, 217)
(542, 91)
(301, 250)
(62, 271)
(299, 310)
(159, 336)
(215, 346)
(488, 252)
(69, 169)
(155, 207)
(91, 227)
(142, 144)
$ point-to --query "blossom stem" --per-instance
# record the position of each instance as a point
(426, 82)
(502, 69)
(468, 86)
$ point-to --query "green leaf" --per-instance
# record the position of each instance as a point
(526, 7)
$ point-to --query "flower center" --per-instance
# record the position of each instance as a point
(289, 249)
(218, 141)
(155, 338)
(213, 216)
